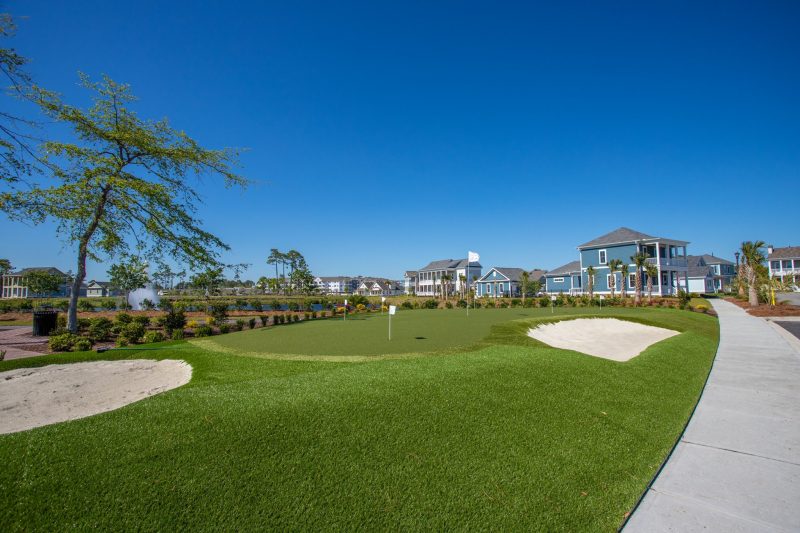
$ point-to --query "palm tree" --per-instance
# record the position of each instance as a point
(445, 280)
(525, 280)
(462, 287)
(752, 260)
(640, 260)
(652, 273)
(613, 266)
(590, 272)
(623, 271)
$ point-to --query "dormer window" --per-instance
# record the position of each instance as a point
(603, 257)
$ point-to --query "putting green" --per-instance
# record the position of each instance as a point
(366, 336)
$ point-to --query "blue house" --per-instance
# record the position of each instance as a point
(669, 256)
(565, 279)
(500, 282)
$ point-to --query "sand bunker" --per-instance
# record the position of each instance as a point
(618, 340)
(33, 397)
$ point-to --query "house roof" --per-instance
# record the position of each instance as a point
(697, 267)
(511, 273)
(537, 274)
(103, 284)
(788, 252)
(449, 264)
(49, 270)
(569, 268)
(619, 235)
(410, 273)
(713, 260)
(623, 236)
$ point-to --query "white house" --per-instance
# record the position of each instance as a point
(784, 263)
(336, 284)
(700, 275)
(455, 276)
(379, 287)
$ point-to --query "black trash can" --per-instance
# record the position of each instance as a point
(44, 321)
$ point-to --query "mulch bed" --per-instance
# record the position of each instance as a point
(766, 309)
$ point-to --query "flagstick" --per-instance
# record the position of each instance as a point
(467, 283)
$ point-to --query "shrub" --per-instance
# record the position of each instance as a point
(224, 328)
(203, 331)
(122, 342)
(177, 335)
(175, 319)
(61, 321)
(357, 299)
(61, 304)
(294, 306)
(210, 320)
(141, 319)
(153, 336)
(251, 323)
(461, 303)
(256, 305)
(2, 354)
(448, 305)
(148, 304)
(307, 315)
(360, 307)
(314, 314)
(193, 324)
(683, 299)
(85, 305)
(83, 323)
(100, 329)
(323, 314)
(516, 302)
(133, 332)
(241, 305)
(218, 310)
(503, 304)
(275, 305)
(263, 319)
(82, 344)
(430, 304)
(296, 318)
(239, 326)
(124, 318)
(407, 305)
(62, 342)
(701, 308)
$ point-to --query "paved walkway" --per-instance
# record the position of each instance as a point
(737, 466)
(11, 337)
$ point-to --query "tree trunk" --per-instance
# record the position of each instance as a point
(83, 250)
(637, 299)
(752, 290)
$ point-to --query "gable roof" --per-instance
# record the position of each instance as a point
(714, 260)
(787, 252)
(49, 270)
(537, 274)
(619, 235)
(569, 268)
(104, 284)
(449, 264)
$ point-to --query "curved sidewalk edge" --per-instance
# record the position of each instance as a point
(737, 465)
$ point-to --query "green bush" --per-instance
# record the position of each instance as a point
(62, 342)
(448, 305)
(407, 305)
(85, 305)
(83, 323)
(61, 321)
(224, 328)
(219, 311)
(141, 319)
(177, 335)
(256, 305)
(239, 325)
(307, 315)
(296, 318)
(683, 299)
(313, 315)
(100, 329)
(275, 305)
(241, 305)
(251, 323)
(61, 304)
(82, 344)
(203, 331)
(124, 318)
(323, 314)
(294, 306)
(122, 342)
(430, 304)
(133, 332)
(264, 319)
(175, 319)
(153, 336)
(462, 303)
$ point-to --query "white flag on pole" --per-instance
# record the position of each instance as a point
(473, 257)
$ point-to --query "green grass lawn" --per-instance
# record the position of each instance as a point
(505, 434)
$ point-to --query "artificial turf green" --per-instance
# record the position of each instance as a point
(508, 435)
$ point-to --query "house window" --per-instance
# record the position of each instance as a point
(776, 265)
(787, 264)
(603, 257)
(558, 280)
(611, 280)
(631, 280)
(665, 278)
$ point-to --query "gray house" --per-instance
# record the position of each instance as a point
(723, 271)
(15, 286)
(564, 279)
(431, 278)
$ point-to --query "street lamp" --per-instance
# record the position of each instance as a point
(737, 261)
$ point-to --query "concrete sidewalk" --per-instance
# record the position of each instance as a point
(737, 466)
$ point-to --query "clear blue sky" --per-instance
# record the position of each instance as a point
(384, 135)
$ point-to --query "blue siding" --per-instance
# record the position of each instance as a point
(553, 286)
(591, 256)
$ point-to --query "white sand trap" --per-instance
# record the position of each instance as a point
(610, 338)
(33, 397)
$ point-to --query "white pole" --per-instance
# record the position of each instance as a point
(466, 282)
(390, 327)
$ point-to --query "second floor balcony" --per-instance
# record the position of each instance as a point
(669, 261)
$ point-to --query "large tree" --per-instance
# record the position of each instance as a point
(639, 260)
(613, 266)
(590, 273)
(123, 180)
(40, 283)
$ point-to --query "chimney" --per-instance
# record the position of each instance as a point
(770, 249)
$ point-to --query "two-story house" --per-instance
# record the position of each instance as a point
(500, 282)
(100, 289)
(447, 276)
(700, 275)
(784, 263)
(15, 286)
(337, 284)
(722, 271)
(379, 287)
(409, 282)
(668, 255)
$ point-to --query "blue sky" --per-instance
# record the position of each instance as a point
(384, 135)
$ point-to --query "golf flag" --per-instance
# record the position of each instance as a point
(473, 257)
